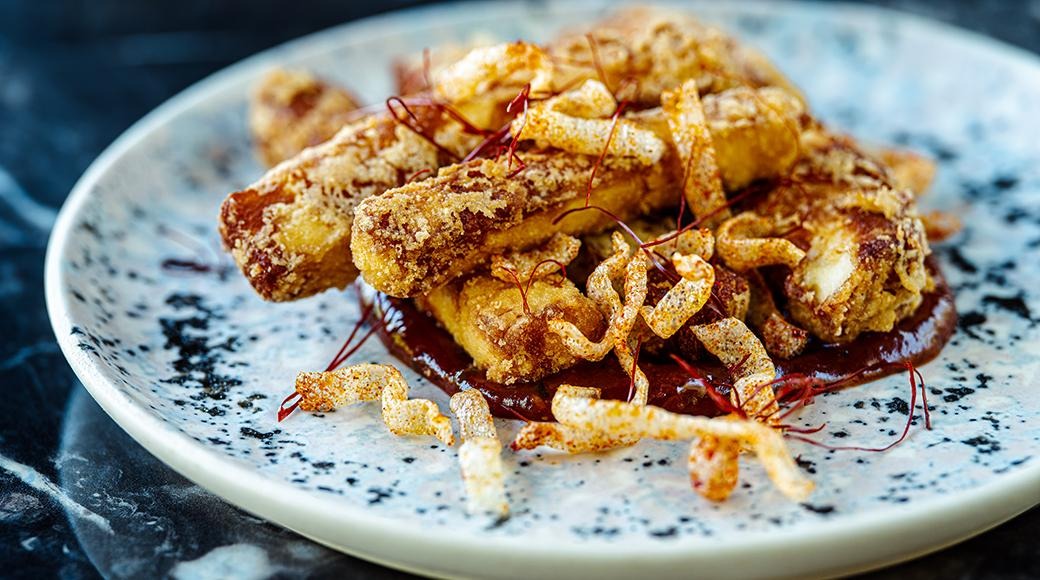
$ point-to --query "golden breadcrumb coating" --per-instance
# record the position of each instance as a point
(864, 264)
(417, 237)
(292, 110)
(641, 52)
(290, 231)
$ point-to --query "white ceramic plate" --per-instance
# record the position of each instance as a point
(194, 366)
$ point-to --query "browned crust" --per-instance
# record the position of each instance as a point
(417, 237)
(864, 239)
(290, 231)
(643, 52)
(292, 110)
(486, 316)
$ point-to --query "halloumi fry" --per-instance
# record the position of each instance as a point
(504, 326)
(480, 455)
(290, 231)
(417, 237)
(864, 268)
(328, 390)
(292, 110)
(641, 52)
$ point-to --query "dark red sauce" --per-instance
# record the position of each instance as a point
(416, 339)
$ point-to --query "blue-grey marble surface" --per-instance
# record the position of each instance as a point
(78, 498)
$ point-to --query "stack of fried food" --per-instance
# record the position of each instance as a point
(676, 167)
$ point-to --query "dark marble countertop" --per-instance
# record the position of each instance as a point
(78, 497)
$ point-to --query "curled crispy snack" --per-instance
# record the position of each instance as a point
(561, 249)
(480, 455)
(568, 439)
(600, 287)
(568, 122)
(591, 100)
(733, 343)
(626, 356)
(684, 299)
(502, 65)
(702, 184)
(714, 466)
(742, 243)
(625, 419)
(367, 382)
(699, 242)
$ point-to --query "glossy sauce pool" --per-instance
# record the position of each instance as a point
(416, 339)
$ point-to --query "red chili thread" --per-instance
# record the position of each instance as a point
(413, 176)
(614, 120)
(912, 374)
(345, 351)
(655, 259)
(284, 411)
(721, 400)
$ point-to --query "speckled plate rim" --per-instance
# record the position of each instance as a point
(854, 543)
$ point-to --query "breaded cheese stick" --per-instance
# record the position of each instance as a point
(641, 52)
(864, 266)
(292, 110)
(420, 236)
(487, 316)
(290, 231)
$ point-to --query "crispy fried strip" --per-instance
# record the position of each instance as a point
(618, 417)
(699, 242)
(621, 317)
(640, 52)
(417, 237)
(702, 183)
(739, 349)
(564, 438)
(578, 131)
(292, 110)
(367, 382)
(684, 299)
(714, 466)
(743, 243)
(539, 262)
(480, 456)
(290, 231)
